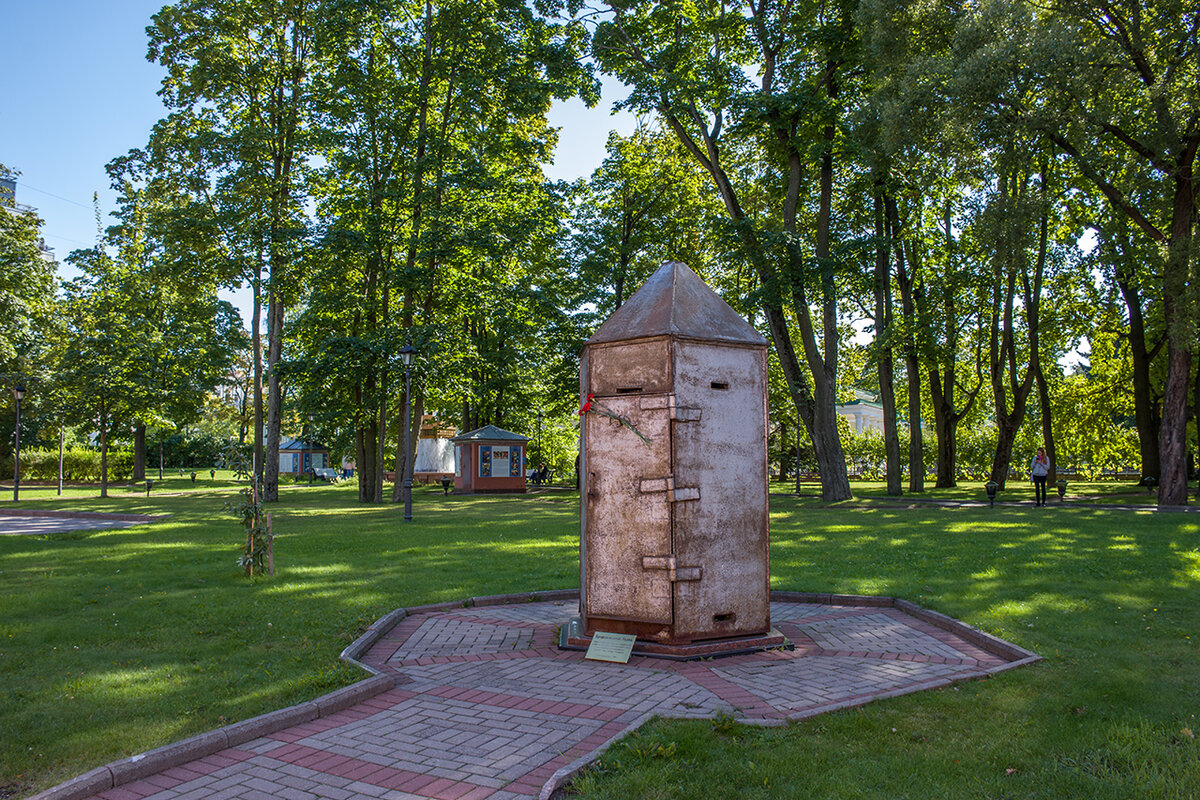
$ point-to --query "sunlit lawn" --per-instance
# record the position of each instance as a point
(113, 642)
(1108, 598)
(1123, 492)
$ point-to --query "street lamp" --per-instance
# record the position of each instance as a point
(541, 456)
(18, 394)
(406, 355)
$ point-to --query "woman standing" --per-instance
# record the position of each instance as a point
(1039, 470)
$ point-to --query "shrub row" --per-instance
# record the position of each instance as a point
(79, 464)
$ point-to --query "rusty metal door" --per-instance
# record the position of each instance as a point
(628, 509)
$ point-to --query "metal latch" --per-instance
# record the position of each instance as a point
(678, 413)
(675, 572)
(675, 494)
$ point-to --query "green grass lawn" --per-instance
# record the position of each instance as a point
(1108, 598)
(113, 642)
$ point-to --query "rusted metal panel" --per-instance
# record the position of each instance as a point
(626, 523)
(723, 454)
(674, 540)
(642, 367)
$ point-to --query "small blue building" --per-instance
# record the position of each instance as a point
(298, 457)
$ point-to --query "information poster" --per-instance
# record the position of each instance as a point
(485, 461)
(500, 459)
(458, 460)
(514, 462)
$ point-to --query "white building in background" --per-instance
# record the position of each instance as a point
(435, 451)
(864, 413)
(8, 202)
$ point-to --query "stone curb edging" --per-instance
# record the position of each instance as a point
(563, 775)
(381, 626)
(38, 512)
(980, 639)
(178, 753)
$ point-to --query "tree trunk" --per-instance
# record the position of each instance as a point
(258, 375)
(912, 364)
(365, 440)
(835, 483)
(1003, 357)
(103, 450)
(1172, 486)
(274, 396)
(945, 427)
(406, 462)
(884, 358)
(1180, 317)
(783, 448)
(815, 405)
(139, 452)
(1194, 459)
(1145, 409)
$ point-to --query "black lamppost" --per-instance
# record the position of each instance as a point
(312, 464)
(19, 394)
(406, 355)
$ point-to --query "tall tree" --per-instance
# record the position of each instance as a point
(26, 286)
(691, 66)
(645, 204)
(430, 119)
(1116, 92)
(238, 75)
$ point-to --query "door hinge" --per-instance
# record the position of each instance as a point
(678, 413)
(675, 494)
(675, 573)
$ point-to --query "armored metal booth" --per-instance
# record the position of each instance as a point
(674, 540)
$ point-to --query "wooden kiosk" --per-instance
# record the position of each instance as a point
(489, 459)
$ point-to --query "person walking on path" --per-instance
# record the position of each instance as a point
(1039, 471)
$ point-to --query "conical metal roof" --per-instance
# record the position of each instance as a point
(675, 301)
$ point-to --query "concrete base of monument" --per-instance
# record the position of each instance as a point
(573, 637)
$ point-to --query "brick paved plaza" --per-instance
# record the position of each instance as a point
(476, 701)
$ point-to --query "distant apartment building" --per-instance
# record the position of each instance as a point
(8, 201)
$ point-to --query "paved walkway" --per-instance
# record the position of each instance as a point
(35, 522)
(482, 704)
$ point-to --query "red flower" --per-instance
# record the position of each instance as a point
(586, 406)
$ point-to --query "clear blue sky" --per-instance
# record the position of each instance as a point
(78, 91)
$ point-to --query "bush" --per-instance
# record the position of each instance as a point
(79, 464)
(200, 451)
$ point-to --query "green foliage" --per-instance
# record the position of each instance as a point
(79, 464)
(645, 204)
(26, 289)
(248, 509)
